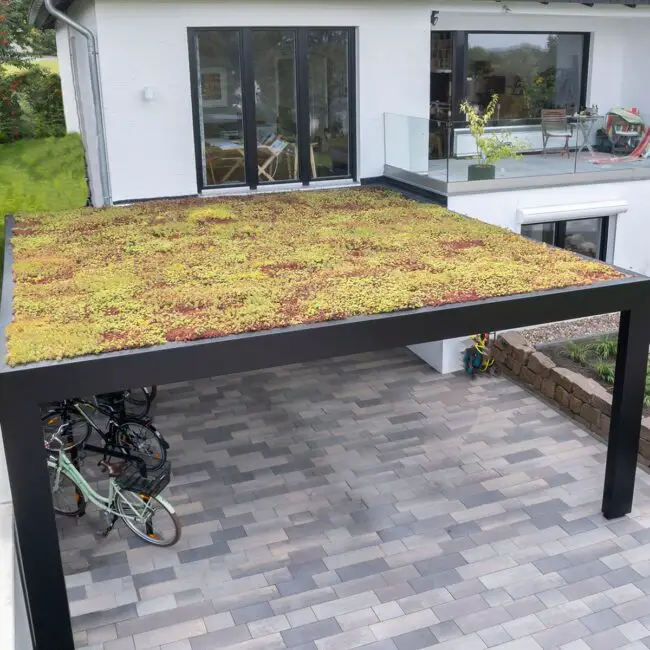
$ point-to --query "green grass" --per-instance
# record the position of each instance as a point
(49, 64)
(38, 175)
(42, 175)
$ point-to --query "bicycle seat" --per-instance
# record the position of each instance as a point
(115, 470)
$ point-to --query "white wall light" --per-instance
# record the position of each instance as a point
(148, 94)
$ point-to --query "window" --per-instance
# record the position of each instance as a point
(584, 236)
(529, 72)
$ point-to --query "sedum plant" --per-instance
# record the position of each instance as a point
(494, 146)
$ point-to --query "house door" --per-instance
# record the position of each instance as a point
(272, 105)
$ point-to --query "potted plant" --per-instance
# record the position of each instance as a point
(490, 148)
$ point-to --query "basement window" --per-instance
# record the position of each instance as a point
(588, 237)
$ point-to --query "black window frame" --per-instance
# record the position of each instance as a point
(460, 61)
(301, 71)
(559, 232)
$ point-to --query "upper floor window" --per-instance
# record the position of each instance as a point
(529, 72)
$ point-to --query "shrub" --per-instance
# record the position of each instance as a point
(606, 347)
(577, 352)
(42, 103)
(10, 108)
(605, 372)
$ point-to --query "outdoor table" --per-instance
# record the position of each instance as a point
(585, 125)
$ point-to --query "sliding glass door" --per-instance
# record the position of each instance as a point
(272, 105)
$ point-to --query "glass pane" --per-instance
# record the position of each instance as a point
(542, 232)
(222, 129)
(275, 104)
(329, 103)
(529, 72)
(584, 236)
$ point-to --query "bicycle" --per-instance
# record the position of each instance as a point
(478, 357)
(133, 493)
(122, 432)
(139, 400)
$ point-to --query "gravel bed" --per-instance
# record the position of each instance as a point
(571, 329)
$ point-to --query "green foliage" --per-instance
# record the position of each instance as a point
(578, 352)
(37, 175)
(19, 41)
(605, 371)
(605, 348)
(495, 146)
(31, 104)
(89, 281)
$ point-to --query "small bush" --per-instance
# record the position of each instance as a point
(11, 126)
(606, 347)
(578, 352)
(31, 105)
(605, 372)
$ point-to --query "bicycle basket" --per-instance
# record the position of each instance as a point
(150, 485)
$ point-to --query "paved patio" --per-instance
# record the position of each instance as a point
(369, 502)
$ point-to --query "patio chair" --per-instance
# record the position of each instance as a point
(555, 124)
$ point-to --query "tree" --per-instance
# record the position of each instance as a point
(19, 41)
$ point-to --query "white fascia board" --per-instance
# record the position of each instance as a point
(571, 211)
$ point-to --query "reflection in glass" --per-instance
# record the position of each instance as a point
(529, 72)
(584, 236)
(275, 104)
(222, 130)
(542, 232)
(329, 102)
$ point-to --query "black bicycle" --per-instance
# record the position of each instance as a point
(119, 430)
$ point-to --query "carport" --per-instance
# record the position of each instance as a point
(23, 387)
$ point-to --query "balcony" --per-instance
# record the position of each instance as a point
(438, 156)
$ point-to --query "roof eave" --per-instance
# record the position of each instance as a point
(41, 18)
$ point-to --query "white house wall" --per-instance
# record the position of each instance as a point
(630, 249)
(67, 82)
(143, 43)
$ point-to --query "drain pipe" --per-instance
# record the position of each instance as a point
(93, 63)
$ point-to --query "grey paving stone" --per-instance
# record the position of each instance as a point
(328, 489)
(362, 569)
(311, 632)
(415, 640)
(153, 577)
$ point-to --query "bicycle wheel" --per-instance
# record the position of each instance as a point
(137, 401)
(77, 433)
(67, 499)
(141, 439)
(159, 524)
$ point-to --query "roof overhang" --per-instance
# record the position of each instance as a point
(40, 17)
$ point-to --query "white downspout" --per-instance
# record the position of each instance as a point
(93, 61)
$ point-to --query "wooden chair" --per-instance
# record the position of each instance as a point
(555, 124)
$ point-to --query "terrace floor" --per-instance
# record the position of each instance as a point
(369, 502)
(533, 165)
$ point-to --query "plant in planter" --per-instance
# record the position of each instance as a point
(492, 147)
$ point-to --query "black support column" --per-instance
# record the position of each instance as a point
(248, 107)
(302, 98)
(36, 534)
(627, 411)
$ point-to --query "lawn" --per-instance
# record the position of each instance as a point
(36, 175)
(90, 281)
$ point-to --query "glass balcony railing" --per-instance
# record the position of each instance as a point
(444, 155)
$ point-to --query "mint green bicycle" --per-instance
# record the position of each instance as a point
(133, 492)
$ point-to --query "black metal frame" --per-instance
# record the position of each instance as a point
(559, 232)
(247, 71)
(22, 388)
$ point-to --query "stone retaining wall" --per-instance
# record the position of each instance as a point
(580, 397)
